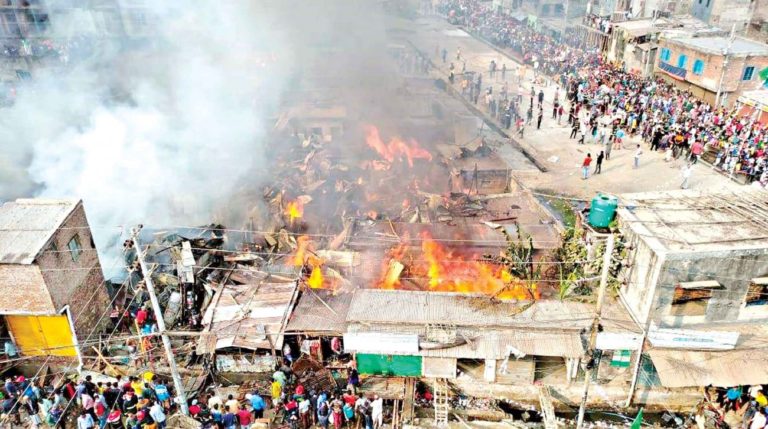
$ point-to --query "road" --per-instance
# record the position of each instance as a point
(550, 145)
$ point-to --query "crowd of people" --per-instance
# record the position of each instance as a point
(327, 407)
(146, 402)
(744, 407)
(610, 103)
(141, 402)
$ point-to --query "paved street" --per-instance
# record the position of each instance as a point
(550, 145)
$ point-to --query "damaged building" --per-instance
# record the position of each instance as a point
(53, 290)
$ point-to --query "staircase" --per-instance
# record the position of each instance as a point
(547, 409)
(441, 398)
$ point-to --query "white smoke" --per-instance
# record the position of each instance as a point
(162, 132)
(166, 130)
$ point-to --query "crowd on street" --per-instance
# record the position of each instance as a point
(605, 103)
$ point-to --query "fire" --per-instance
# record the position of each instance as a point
(315, 280)
(396, 149)
(448, 271)
(294, 210)
(301, 251)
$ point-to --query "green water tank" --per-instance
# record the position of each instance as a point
(602, 210)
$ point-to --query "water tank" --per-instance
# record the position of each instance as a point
(602, 210)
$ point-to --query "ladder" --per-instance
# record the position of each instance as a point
(547, 409)
(441, 398)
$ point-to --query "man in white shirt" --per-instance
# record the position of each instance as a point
(85, 421)
(638, 152)
(377, 412)
(686, 173)
(215, 400)
(759, 420)
(157, 414)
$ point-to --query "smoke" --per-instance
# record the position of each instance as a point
(166, 130)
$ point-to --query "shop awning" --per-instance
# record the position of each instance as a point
(685, 368)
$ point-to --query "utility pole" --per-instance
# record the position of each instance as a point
(595, 326)
(178, 384)
(726, 58)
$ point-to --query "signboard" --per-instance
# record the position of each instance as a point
(690, 339)
(617, 341)
(379, 342)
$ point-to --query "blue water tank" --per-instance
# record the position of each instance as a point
(602, 210)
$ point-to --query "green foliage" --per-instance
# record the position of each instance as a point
(518, 258)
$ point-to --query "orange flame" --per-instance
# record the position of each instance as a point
(396, 149)
(447, 271)
(294, 210)
(301, 250)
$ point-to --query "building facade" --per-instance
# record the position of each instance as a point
(726, 14)
(708, 65)
(52, 286)
(696, 280)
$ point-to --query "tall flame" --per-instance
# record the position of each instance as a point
(447, 271)
(294, 210)
(315, 280)
(396, 149)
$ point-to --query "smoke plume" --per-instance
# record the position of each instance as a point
(165, 129)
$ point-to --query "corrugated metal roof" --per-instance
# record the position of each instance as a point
(312, 312)
(685, 368)
(494, 344)
(419, 308)
(497, 345)
(26, 225)
(251, 316)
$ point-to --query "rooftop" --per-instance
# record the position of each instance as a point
(320, 311)
(475, 310)
(251, 316)
(687, 221)
(722, 368)
(718, 45)
(26, 225)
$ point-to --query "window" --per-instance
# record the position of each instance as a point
(748, 72)
(698, 67)
(757, 293)
(75, 249)
(681, 60)
(665, 54)
(692, 298)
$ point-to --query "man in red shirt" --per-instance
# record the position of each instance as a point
(585, 166)
(245, 418)
(141, 317)
(696, 151)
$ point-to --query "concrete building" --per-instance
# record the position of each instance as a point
(724, 13)
(634, 43)
(696, 280)
(52, 289)
(706, 65)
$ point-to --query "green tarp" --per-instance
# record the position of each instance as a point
(405, 366)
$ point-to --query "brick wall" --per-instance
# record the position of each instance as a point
(706, 83)
(80, 283)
